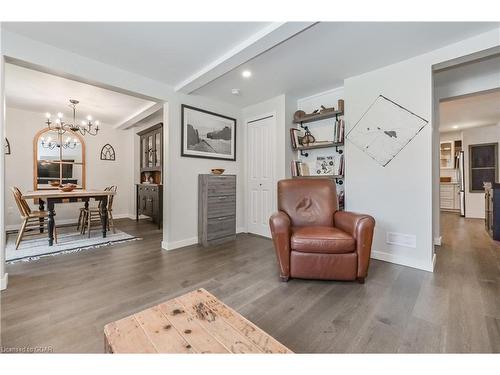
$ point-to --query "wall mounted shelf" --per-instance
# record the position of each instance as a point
(318, 117)
(313, 146)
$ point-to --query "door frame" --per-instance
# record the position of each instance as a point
(247, 160)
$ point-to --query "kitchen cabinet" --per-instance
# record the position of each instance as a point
(449, 196)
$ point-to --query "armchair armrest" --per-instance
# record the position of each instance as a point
(361, 228)
(280, 225)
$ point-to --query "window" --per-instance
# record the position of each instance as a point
(483, 160)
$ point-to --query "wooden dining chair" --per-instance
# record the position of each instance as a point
(32, 220)
(92, 216)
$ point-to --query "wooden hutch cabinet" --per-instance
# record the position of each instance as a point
(149, 192)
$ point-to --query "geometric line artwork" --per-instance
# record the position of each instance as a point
(385, 129)
(108, 152)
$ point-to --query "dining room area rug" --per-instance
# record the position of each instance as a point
(33, 248)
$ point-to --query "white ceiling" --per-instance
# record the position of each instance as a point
(470, 111)
(292, 58)
(41, 92)
(166, 51)
(321, 57)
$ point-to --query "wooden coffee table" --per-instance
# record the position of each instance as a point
(196, 322)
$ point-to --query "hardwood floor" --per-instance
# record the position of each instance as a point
(65, 301)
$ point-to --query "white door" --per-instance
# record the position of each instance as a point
(260, 172)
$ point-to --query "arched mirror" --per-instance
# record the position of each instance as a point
(58, 159)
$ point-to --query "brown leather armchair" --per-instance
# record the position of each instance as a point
(313, 240)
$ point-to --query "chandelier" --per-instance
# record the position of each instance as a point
(88, 126)
(50, 144)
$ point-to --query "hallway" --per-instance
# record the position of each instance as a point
(468, 274)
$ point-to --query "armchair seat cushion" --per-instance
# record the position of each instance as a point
(325, 240)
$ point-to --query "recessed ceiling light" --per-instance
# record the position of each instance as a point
(246, 74)
(235, 91)
(455, 126)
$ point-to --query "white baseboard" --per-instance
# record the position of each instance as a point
(437, 240)
(165, 245)
(4, 281)
(391, 258)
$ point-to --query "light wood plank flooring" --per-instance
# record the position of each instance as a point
(65, 301)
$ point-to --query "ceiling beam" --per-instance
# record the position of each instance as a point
(127, 124)
(262, 41)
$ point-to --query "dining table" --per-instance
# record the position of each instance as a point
(51, 197)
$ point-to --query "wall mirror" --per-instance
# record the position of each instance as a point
(58, 159)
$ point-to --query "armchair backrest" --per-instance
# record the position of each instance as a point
(308, 202)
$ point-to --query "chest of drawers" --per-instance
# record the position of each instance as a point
(216, 209)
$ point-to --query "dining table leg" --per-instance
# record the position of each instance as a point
(50, 207)
(104, 215)
(41, 207)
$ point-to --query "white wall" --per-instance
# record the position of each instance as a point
(474, 202)
(400, 195)
(182, 178)
(21, 127)
(468, 78)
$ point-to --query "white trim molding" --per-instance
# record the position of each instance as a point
(165, 245)
(403, 261)
(4, 281)
(438, 240)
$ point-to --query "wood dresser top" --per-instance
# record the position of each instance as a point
(196, 322)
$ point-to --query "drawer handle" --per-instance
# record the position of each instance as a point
(222, 197)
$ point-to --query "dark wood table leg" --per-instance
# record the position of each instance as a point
(50, 207)
(41, 207)
(104, 215)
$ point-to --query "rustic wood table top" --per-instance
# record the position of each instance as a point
(196, 322)
(77, 193)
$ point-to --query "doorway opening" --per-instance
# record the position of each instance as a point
(52, 146)
(467, 110)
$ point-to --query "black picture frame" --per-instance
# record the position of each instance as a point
(108, 152)
(202, 154)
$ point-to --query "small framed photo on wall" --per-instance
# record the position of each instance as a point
(207, 134)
